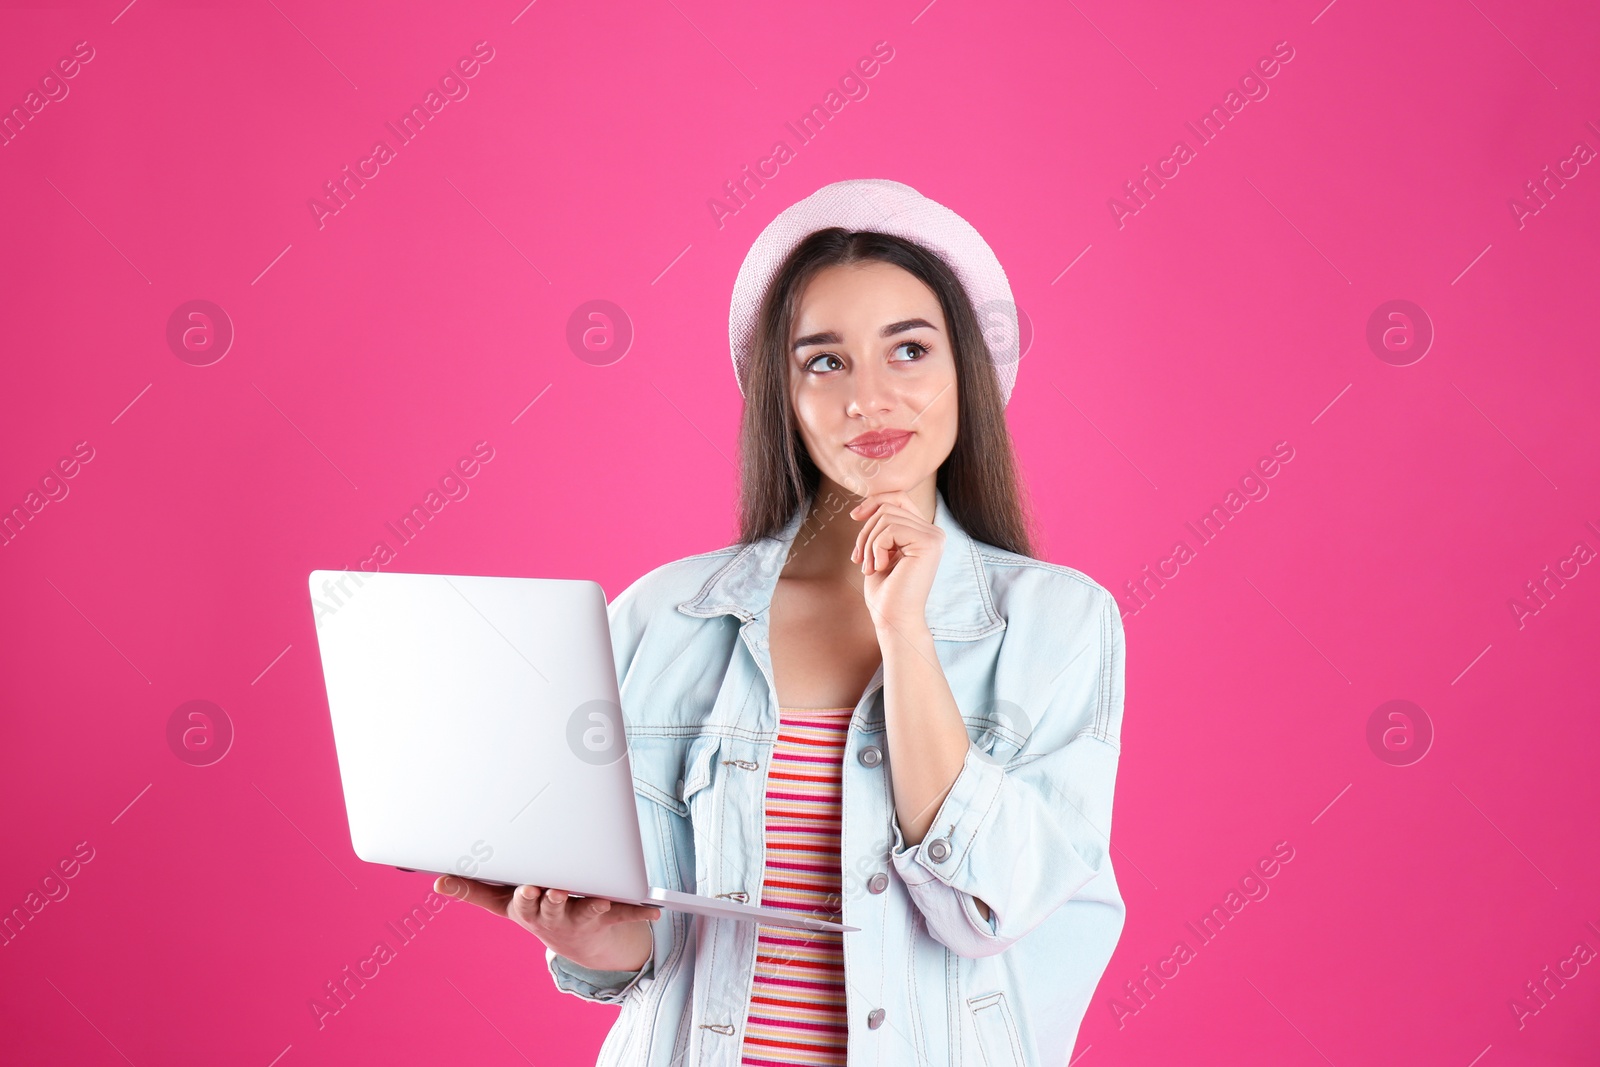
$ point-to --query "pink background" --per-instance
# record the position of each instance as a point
(1229, 313)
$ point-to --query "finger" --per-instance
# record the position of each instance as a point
(627, 913)
(553, 908)
(884, 538)
(489, 897)
(883, 546)
(869, 532)
(524, 904)
(599, 911)
(890, 509)
(901, 498)
(861, 534)
(896, 509)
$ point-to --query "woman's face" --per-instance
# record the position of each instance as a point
(870, 355)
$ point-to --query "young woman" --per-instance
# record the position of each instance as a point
(877, 706)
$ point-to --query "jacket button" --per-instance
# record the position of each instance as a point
(874, 1018)
(871, 756)
(878, 883)
(938, 850)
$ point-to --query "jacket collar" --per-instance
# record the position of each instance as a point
(959, 605)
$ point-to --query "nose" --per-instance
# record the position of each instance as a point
(872, 392)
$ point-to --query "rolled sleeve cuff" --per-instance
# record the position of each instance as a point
(940, 887)
(602, 987)
(960, 817)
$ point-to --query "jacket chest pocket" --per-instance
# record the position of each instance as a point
(658, 786)
(700, 800)
(997, 1031)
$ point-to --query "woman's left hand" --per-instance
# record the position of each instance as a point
(898, 551)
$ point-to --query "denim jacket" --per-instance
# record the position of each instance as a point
(1033, 653)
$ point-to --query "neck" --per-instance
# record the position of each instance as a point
(822, 545)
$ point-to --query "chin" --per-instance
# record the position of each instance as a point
(884, 482)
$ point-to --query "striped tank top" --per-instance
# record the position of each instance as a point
(797, 1002)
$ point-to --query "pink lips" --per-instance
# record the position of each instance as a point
(879, 444)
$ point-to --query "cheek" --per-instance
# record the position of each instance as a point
(940, 412)
(811, 413)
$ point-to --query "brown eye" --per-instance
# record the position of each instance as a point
(812, 362)
(922, 349)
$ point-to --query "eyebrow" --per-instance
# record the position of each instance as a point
(828, 337)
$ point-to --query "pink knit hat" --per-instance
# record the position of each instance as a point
(886, 207)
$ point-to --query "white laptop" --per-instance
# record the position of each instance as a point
(479, 732)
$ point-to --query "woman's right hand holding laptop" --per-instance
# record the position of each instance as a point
(590, 931)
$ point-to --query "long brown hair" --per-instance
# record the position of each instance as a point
(979, 479)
